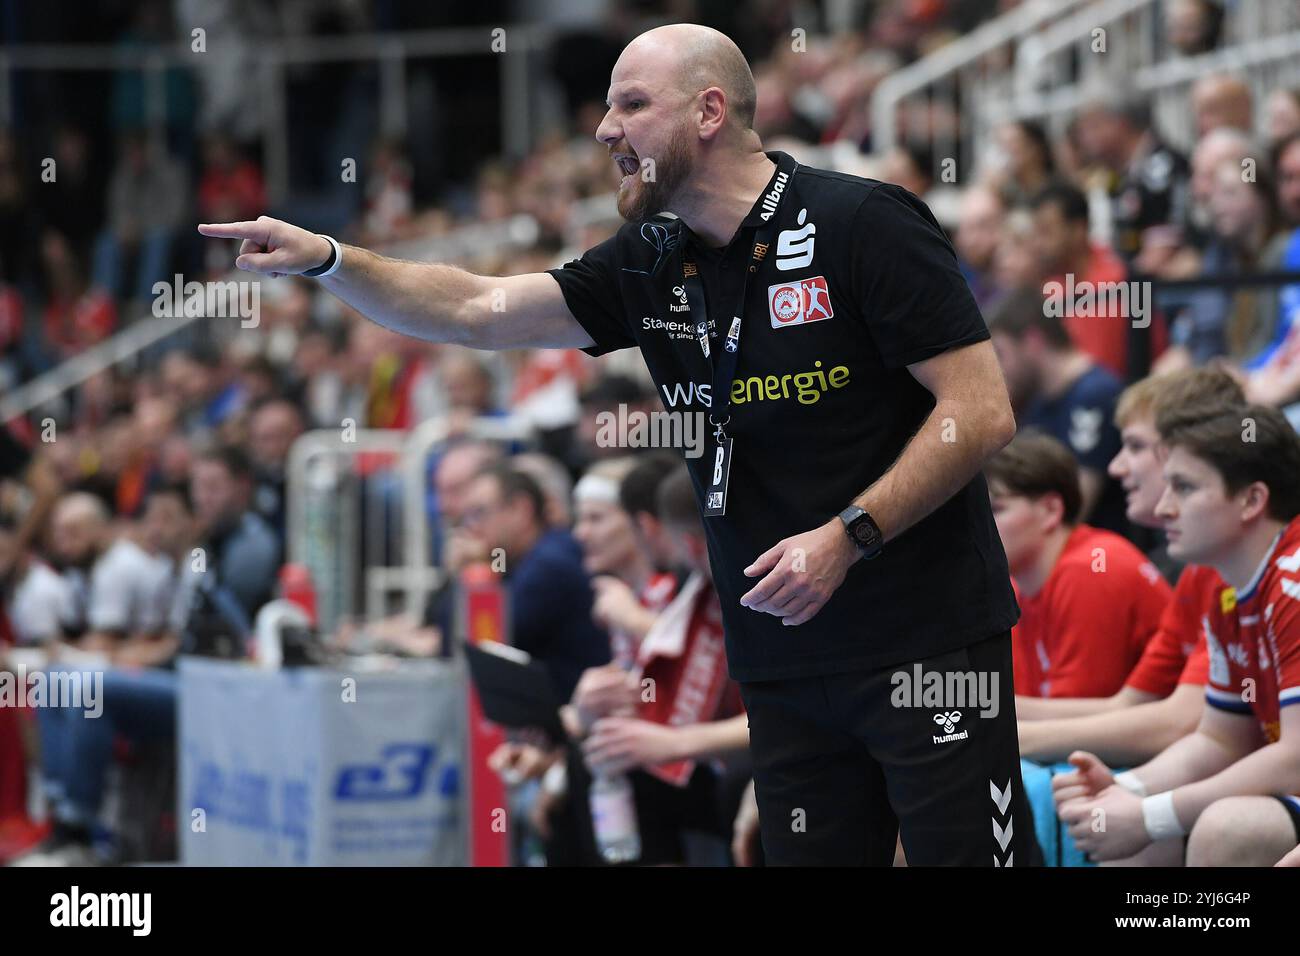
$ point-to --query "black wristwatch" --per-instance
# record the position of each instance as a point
(862, 531)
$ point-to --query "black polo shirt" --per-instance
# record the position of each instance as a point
(858, 283)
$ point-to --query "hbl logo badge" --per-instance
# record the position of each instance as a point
(799, 302)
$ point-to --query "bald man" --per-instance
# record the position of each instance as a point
(848, 422)
(118, 590)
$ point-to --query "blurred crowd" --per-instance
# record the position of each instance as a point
(108, 491)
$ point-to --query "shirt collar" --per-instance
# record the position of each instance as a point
(1249, 590)
(785, 163)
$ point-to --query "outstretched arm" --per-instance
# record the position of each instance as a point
(438, 303)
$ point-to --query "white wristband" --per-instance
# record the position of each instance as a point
(1129, 781)
(334, 266)
(1159, 816)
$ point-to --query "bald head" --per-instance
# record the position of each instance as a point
(79, 528)
(680, 130)
(695, 58)
(82, 506)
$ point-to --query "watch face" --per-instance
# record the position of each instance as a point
(864, 534)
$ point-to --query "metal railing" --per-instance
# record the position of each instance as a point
(959, 68)
(1054, 70)
(339, 522)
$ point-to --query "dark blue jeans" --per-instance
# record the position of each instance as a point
(77, 749)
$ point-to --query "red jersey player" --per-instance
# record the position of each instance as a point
(1231, 502)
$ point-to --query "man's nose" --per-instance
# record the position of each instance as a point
(608, 132)
(1164, 507)
(1116, 467)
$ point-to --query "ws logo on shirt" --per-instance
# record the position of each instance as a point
(799, 302)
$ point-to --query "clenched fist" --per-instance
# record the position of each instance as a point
(271, 247)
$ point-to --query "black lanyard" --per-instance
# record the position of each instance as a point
(724, 362)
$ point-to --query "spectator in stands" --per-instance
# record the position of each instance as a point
(910, 166)
(274, 427)
(603, 395)
(1063, 392)
(1222, 100)
(556, 484)
(241, 553)
(468, 386)
(29, 485)
(1024, 164)
(1272, 374)
(1230, 504)
(146, 202)
(1016, 263)
(1069, 256)
(1089, 600)
(34, 598)
(138, 701)
(1162, 698)
(77, 315)
(1149, 179)
(1193, 26)
(388, 204)
(1286, 164)
(74, 210)
(202, 386)
(1282, 115)
(629, 591)
(979, 229)
(1236, 323)
(550, 596)
(168, 534)
(1177, 253)
(694, 713)
(230, 185)
(118, 590)
(424, 634)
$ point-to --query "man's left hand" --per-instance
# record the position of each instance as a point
(1109, 827)
(802, 573)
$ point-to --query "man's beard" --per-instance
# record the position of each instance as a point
(642, 199)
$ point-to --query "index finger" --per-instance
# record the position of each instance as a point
(231, 230)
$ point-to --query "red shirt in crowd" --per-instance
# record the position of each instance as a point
(1083, 632)
(1177, 654)
(1254, 639)
(1097, 329)
(72, 326)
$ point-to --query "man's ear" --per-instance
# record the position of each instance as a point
(1052, 510)
(1254, 500)
(712, 104)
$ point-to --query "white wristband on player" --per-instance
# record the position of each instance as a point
(334, 266)
(1129, 781)
(1159, 816)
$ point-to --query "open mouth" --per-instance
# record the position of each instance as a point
(626, 164)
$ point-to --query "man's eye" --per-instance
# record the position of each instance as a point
(635, 105)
